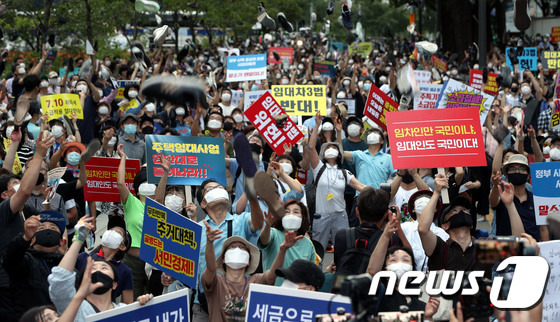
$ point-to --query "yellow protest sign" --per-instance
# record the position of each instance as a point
(57, 105)
(131, 104)
(555, 121)
(16, 168)
(301, 99)
(363, 48)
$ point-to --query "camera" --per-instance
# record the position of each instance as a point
(493, 250)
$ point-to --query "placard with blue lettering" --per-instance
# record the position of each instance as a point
(246, 67)
(172, 307)
(170, 242)
(193, 159)
(545, 178)
(526, 57)
(271, 303)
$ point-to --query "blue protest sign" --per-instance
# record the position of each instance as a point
(337, 46)
(246, 67)
(170, 242)
(193, 159)
(324, 67)
(527, 57)
(169, 307)
(546, 189)
(270, 303)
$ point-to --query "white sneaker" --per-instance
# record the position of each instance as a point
(146, 6)
(428, 46)
(160, 34)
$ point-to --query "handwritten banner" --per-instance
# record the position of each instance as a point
(455, 94)
(527, 57)
(193, 159)
(301, 99)
(283, 52)
(438, 138)
(245, 68)
(101, 176)
(262, 115)
(428, 96)
(171, 243)
(377, 106)
(476, 81)
(551, 60)
(57, 105)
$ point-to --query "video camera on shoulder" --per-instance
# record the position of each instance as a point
(493, 250)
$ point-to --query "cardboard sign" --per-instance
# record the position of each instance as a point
(261, 114)
(439, 63)
(284, 52)
(251, 97)
(476, 81)
(325, 67)
(551, 60)
(423, 77)
(301, 99)
(270, 303)
(550, 251)
(455, 94)
(546, 189)
(122, 84)
(245, 68)
(57, 105)
(101, 176)
(170, 307)
(438, 138)
(336, 46)
(377, 106)
(363, 48)
(193, 159)
(428, 96)
(351, 103)
(131, 104)
(171, 243)
(555, 34)
(527, 57)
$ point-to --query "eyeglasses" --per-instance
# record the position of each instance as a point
(208, 189)
(517, 170)
(455, 211)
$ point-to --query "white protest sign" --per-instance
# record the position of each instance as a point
(551, 308)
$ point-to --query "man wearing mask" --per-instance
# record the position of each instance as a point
(225, 104)
(40, 193)
(133, 145)
(29, 258)
(352, 142)
(531, 102)
(516, 170)
(54, 83)
(411, 182)
(214, 125)
(14, 195)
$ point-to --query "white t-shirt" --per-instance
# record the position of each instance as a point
(410, 230)
(401, 201)
(226, 110)
(331, 185)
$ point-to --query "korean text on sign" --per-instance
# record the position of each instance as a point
(246, 67)
(551, 60)
(436, 138)
(439, 63)
(455, 94)
(171, 242)
(301, 99)
(428, 96)
(262, 115)
(476, 81)
(122, 84)
(283, 52)
(526, 56)
(57, 105)
(377, 106)
(102, 178)
(193, 159)
(546, 190)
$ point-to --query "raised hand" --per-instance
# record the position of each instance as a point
(290, 239)
(31, 226)
(441, 182)
(43, 145)
(87, 288)
(120, 151)
(506, 192)
(212, 234)
(269, 218)
(165, 164)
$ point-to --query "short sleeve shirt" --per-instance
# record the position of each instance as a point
(134, 217)
(330, 188)
(372, 170)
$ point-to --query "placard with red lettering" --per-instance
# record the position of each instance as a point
(283, 52)
(262, 115)
(428, 96)
(439, 63)
(555, 34)
(436, 138)
(476, 81)
(377, 106)
(102, 178)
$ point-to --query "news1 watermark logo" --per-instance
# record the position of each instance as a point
(527, 285)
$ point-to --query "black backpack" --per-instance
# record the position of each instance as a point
(355, 259)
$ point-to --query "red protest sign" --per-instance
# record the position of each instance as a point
(261, 113)
(102, 178)
(439, 63)
(555, 34)
(476, 82)
(436, 138)
(284, 52)
(378, 104)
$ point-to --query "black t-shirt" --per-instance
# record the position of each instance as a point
(10, 226)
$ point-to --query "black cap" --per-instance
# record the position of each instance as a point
(302, 271)
(458, 201)
(352, 119)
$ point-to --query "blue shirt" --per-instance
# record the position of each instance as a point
(239, 184)
(372, 170)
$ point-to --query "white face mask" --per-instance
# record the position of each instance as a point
(278, 76)
(236, 258)
(525, 90)
(331, 153)
(216, 194)
(555, 154)
(328, 126)
(174, 203)
(53, 81)
(420, 204)
(399, 268)
(112, 142)
(214, 124)
(382, 79)
(9, 131)
(289, 284)
(350, 62)
(300, 67)
(103, 110)
(238, 118)
(388, 69)
(346, 82)
(475, 66)
(81, 88)
(132, 94)
(73, 84)
(317, 77)
(150, 107)
(57, 131)
(111, 239)
(180, 111)
(340, 95)
(353, 129)
(291, 222)
(287, 168)
(373, 138)
(21, 70)
(147, 189)
(454, 72)
(546, 150)
(361, 84)
(285, 81)
(226, 97)
(44, 84)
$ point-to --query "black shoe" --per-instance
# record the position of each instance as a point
(176, 90)
(183, 53)
(95, 45)
(276, 56)
(139, 54)
(346, 17)
(284, 22)
(484, 75)
(521, 18)
(244, 155)
(51, 40)
(70, 64)
(1, 34)
(330, 8)
(264, 19)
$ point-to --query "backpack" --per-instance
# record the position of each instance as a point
(355, 259)
(311, 190)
